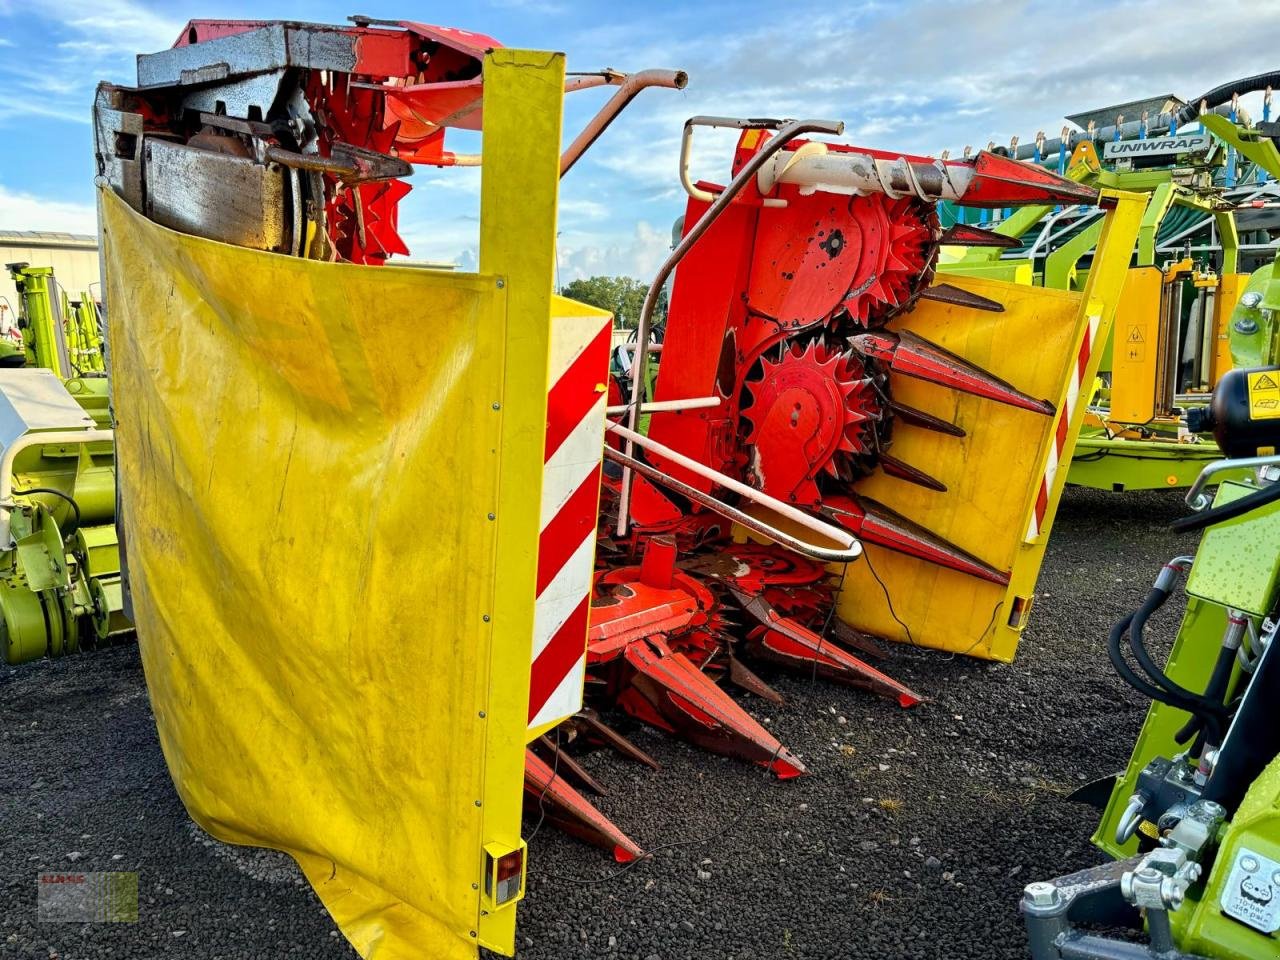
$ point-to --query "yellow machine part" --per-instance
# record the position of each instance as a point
(325, 472)
(996, 473)
(1136, 347)
(1230, 290)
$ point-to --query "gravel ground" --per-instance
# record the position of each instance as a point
(912, 838)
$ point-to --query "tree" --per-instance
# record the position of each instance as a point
(621, 296)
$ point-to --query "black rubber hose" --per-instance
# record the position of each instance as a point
(1126, 672)
(75, 507)
(1137, 643)
(1227, 511)
(1158, 694)
(1222, 94)
(1216, 692)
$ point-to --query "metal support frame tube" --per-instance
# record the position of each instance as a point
(787, 132)
(628, 86)
(1198, 500)
(667, 406)
(813, 551)
(820, 527)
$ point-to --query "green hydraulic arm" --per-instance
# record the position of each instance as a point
(1060, 266)
(1157, 207)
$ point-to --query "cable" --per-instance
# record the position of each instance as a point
(75, 507)
(1221, 94)
(1210, 714)
(542, 797)
(889, 600)
(1137, 626)
(1227, 511)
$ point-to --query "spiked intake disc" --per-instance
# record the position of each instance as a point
(808, 407)
(825, 256)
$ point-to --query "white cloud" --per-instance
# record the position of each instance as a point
(89, 40)
(25, 211)
(636, 255)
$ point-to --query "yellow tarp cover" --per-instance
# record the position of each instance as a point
(306, 472)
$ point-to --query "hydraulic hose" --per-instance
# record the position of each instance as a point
(1207, 714)
(1221, 94)
(1137, 643)
(1227, 511)
(1216, 691)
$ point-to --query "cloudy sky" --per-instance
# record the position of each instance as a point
(912, 75)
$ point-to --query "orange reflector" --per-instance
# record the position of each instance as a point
(503, 874)
(1020, 612)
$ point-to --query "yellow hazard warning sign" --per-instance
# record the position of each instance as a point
(1135, 344)
(1264, 395)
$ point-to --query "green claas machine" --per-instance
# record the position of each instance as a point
(1209, 175)
(1194, 821)
(59, 558)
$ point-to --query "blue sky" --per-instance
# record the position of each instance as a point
(914, 75)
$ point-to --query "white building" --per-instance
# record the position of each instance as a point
(73, 256)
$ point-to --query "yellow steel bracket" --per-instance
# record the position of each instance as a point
(523, 105)
(1006, 475)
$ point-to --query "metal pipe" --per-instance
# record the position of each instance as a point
(788, 132)
(861, 173)
(1129, 130)
(665, 406)
(820, 527)
(823, 554)
(726, 123)
(628, 87)
(1196, 498)
(27, 440)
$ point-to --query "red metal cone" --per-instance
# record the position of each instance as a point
(668, 692)
(1004, 182)
(786, 643)
(913, 356)
(547, 792)
(876, 523)
(965, 235)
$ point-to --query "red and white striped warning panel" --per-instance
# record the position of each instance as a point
(570, 498)
(1061, 428)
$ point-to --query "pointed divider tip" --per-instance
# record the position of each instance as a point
(1004, 182)
(913, 356)
(958, 297)
(966, 235)
(548, 793)
(878, 524)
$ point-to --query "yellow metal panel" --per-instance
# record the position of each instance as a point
(325, 472)
(994, 473)
(1230, 289)
(518, 196)
(1136, 347)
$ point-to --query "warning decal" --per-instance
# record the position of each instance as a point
(1135, 345)
(1264, 395)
